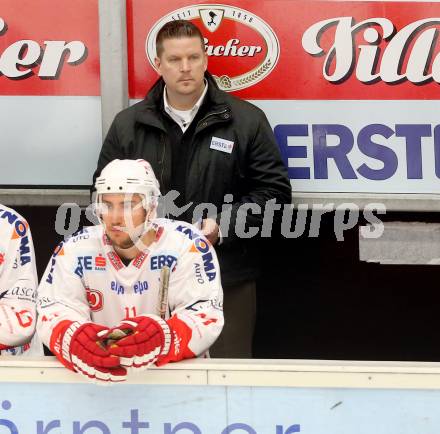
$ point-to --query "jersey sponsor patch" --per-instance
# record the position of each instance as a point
(59, 251)
(22, 293)
(83, 263)
(221, 145)
(90, 263)
(100, 262)
(82, 234)
(139, 260)
(20, 231)
(25, 318)
(207, 320)
(45, 301)
(117, 287)
(2, 258)
(188, 232)
(200, 245)
(198, 274)
(140, 286)
(115, 260)
(95, 299)
(214, 303)
(157, 262)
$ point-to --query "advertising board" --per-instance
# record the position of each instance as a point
(350, 88)
(50, 108)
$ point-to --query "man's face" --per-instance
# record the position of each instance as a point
(122, 213)
(182, 65)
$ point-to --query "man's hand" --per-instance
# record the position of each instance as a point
(80, 347)
(147, 339)
(211, 230)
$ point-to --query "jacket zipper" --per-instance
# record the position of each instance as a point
(210, 115)
(162, 161)
(197, 131)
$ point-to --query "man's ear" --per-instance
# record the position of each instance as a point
(206, 61)
(157, 65)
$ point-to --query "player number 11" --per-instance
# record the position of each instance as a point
(130, 312)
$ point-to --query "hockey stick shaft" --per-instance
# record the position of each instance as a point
(163, 291)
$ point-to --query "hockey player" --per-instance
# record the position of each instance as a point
(18, 284)
(157, 278)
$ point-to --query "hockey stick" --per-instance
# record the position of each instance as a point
(163, 291)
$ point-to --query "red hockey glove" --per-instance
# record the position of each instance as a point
(147, 339)
(80, 348)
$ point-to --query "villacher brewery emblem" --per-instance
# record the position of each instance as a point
(230, 33)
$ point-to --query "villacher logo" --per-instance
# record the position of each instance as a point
(229, 33)
(375, 50)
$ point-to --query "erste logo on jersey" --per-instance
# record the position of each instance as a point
(95, 299)
(157, 262)
(2, 258)
(100, 262)
(90, 263)
(243, 35)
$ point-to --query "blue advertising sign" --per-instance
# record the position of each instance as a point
(138, 409)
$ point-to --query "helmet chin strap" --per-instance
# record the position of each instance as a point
(150, 216)
(136, 234)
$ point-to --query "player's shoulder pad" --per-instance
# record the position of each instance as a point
(196, 240)
(183, 233)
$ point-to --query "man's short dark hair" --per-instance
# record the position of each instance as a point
(177, 29)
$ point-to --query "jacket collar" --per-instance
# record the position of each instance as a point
(151, 108)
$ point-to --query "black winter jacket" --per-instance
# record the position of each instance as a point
(253, 172)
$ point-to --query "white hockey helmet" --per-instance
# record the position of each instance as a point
(129, 177)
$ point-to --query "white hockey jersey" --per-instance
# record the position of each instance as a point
(18, 284)
(86, 280)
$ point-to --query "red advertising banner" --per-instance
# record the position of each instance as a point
(301, 49)
(49, 47)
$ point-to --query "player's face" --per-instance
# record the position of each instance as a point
(123, 216)
(182, 65)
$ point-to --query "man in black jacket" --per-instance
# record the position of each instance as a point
(212, 148)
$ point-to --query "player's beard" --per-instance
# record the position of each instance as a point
(137, 236)
(131, 232)
(123, 244)
(130, 239)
